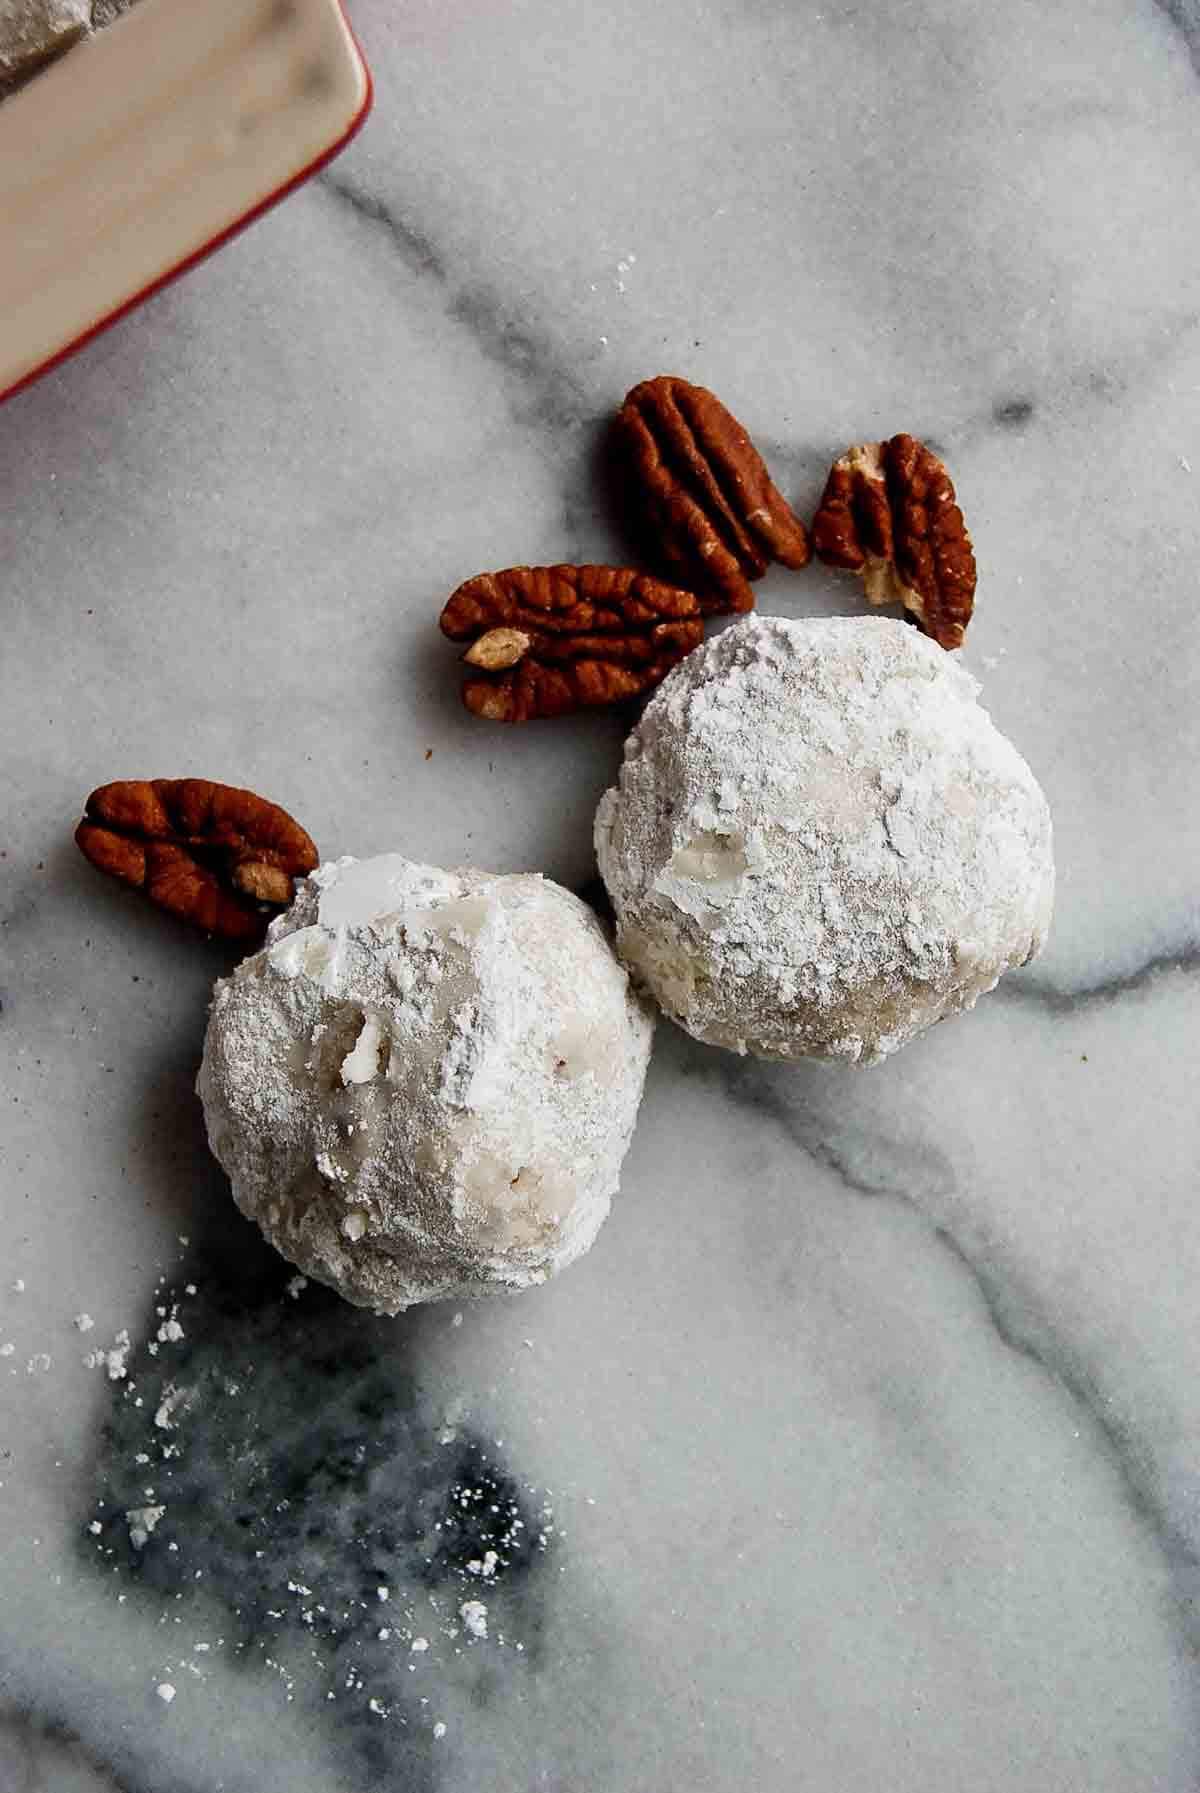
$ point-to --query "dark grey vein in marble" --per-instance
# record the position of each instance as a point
(912, 1178)
(544, 389)
(552, 392)
(1185, 16)
(416, 251)
(1033, 991)
(301, 1470)
(1014, 413)
(1079, 389)
(34, 1747)
(1122, 1449)
(763, 1088)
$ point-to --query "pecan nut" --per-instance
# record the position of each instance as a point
(549, 640)
(209, 853)
(708, 496)
(889, 513)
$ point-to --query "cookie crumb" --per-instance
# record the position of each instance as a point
(474, 1615)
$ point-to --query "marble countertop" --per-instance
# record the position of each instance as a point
(863, 1450)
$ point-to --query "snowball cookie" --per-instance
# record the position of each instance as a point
(820, 844)
(425, 1083)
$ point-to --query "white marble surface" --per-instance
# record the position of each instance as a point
(873, 1419)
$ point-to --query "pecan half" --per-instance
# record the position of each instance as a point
(209, 853)
(889, 513)
(550, 640)
(706, 491)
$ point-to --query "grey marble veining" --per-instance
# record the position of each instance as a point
(861, 1451)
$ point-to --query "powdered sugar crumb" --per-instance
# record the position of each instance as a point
(141, 1522)
(172, 1396)
(115, 1361)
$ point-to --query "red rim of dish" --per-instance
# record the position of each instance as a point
(214, 243)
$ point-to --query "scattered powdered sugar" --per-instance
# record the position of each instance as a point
(425, 1083)
(334, 1483)
(820, 844)
(141, 1522)
(172, 1397)
(323, 1479)
(115, 1360)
